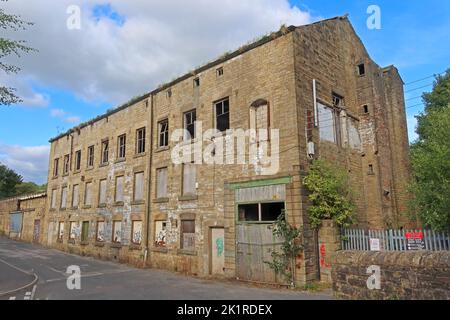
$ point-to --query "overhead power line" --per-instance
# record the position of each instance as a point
(411, 90)
(429, 77)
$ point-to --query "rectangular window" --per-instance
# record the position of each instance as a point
(219, 72)
(329, 124)
(78, 160)
(140, 140)
(189, 124)
(119, 189)
(55, 167)
(163, 129)
(88, 194)
(189, 179)
(105, 151)
(136, 232)
(63, 197)
(90, 157)
(160, 233)
(260, 212)
(100, 234)
(361, 69)
(102, 192)
(222, 109)
(117, 231)
(75, 195)
(121, 142)
(61, 231)
(196, 82)
(53, 206)
(188, 234)
(161, 183)
(138, 186)
(85, 231)
(66, 165)
(73, 230)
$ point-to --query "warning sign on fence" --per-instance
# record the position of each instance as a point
(415, 240)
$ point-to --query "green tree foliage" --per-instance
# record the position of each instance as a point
(283, 261)
(8, 47)
(329, 194)
(29, 188)
(430, 157)
(8, 182)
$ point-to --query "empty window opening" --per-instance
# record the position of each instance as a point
(55, 167)
(78, 160)
(169, 93)
(371, 169)
(102, 192)
(163, 129)
(260, 212)
(361, 69)
(219, 72)
(197, 82)
(366, 109)
(222, 109)
(189, 124)
(338, 101)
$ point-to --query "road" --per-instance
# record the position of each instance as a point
(21, 263)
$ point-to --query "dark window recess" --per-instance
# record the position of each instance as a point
(223, 115)
(371, 169)
(271, 211)
(121, 146)
(90, 156)
(78, 160)
(66, 164)
(105, 151)
(140, 140)
(197, 82)
(189, 124)
(365, 109)
(169, 93)
(248, 212)
(220, 72)
(361, 69)
(338, 101)
(163, 133)
(188, 234)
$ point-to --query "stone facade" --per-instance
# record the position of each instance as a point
(269, 82)
(420, 275)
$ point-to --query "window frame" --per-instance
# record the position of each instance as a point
(114, 231)
(63, 191)
(90, 156)
(60, 235)
(115, 188)
(66, 164)
(216, 116)
(192, 114)
(183, 192)
(75, 186)
(135, 188)
(140, 141)
(100, 202)
(55, 167)
(163, 134)
(182, 233)
(132, 231)
(78, 160)
(89, 183)
(104, 158)
(121, 146)
(259, 203)
(83, 223)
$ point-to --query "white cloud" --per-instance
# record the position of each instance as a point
(73, 119)
(56, 113)
(158, 41)
(61, 114)
(29, 162)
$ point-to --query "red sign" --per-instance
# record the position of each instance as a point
(414, 235)
(415, 241)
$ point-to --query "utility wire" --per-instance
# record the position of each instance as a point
(429, 77)
(419, 88)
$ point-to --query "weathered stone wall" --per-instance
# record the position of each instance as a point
(6, 207)
(33, 209)
(404, 275)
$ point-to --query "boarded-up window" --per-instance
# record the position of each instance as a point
(259, 121)
(88, 194)
(61, 230)
(73, 230)
(75, 195)
(189, 179)
(354, 138)
(329, 124)
(160, 233)
(161, 183)
(188, 234)
(63, 197)
(102, 192)
(138, 186)
(100, 231)
(117, 231)
(119, 189)
(54, 199)
(85, 231)
(136, 232)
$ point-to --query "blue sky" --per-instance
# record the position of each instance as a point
(125, 49)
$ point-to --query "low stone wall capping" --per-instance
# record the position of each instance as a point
(418, 275)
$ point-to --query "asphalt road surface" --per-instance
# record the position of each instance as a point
(41, 272)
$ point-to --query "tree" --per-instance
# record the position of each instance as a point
(8, 47)
(430, 158)
(329, 194)
(28, 188)
(8, 181)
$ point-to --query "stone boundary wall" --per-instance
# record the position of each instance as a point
(418, 275)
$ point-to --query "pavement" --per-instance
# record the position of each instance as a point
(21, 263)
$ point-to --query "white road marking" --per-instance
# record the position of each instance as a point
(27, 296)
(33, 292)
(12, 298)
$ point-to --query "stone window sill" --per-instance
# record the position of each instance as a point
(74, 208)
(135, 246)
(137, 202)
(140, 155)
(116, 245)
(89, 169)
(65, 174)
(88, 206)
(120, 160)
(119, 204)
(77, 171)
(103, 164)
(99, 244)
(161, 149)
(84, 243)
(52, 209)
(59, 240)
(160, 249)
(71, 241)
(161, 200)
(187, 252)
(62, 209)
(188, 198)
(102, 205)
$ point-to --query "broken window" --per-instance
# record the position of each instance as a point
(338, 101)
(161, 183)
(63, 197)
(222, 109)
(55, 167)
(88, 194)
(102, 192)
(85, 231)
(105, 151)
(140, 140)
(354, 138)
(75, 195)
(119, 189)
(196, 82)
(189, 124)
(90, 157)
(66, 164)
(117, 231)
(139, 186)
(326, 123)
(361, 69)
(121, 141)
(100, 234)
(73, 230)
(188, 234)
(78, 160)
(219, 72)
(61, 230)
(189, 179)
(136, 232)
(53, 205)
(163, 129)
(160, 233)
(260, 212)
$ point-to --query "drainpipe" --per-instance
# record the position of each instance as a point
(316, 122)
(149, 185)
